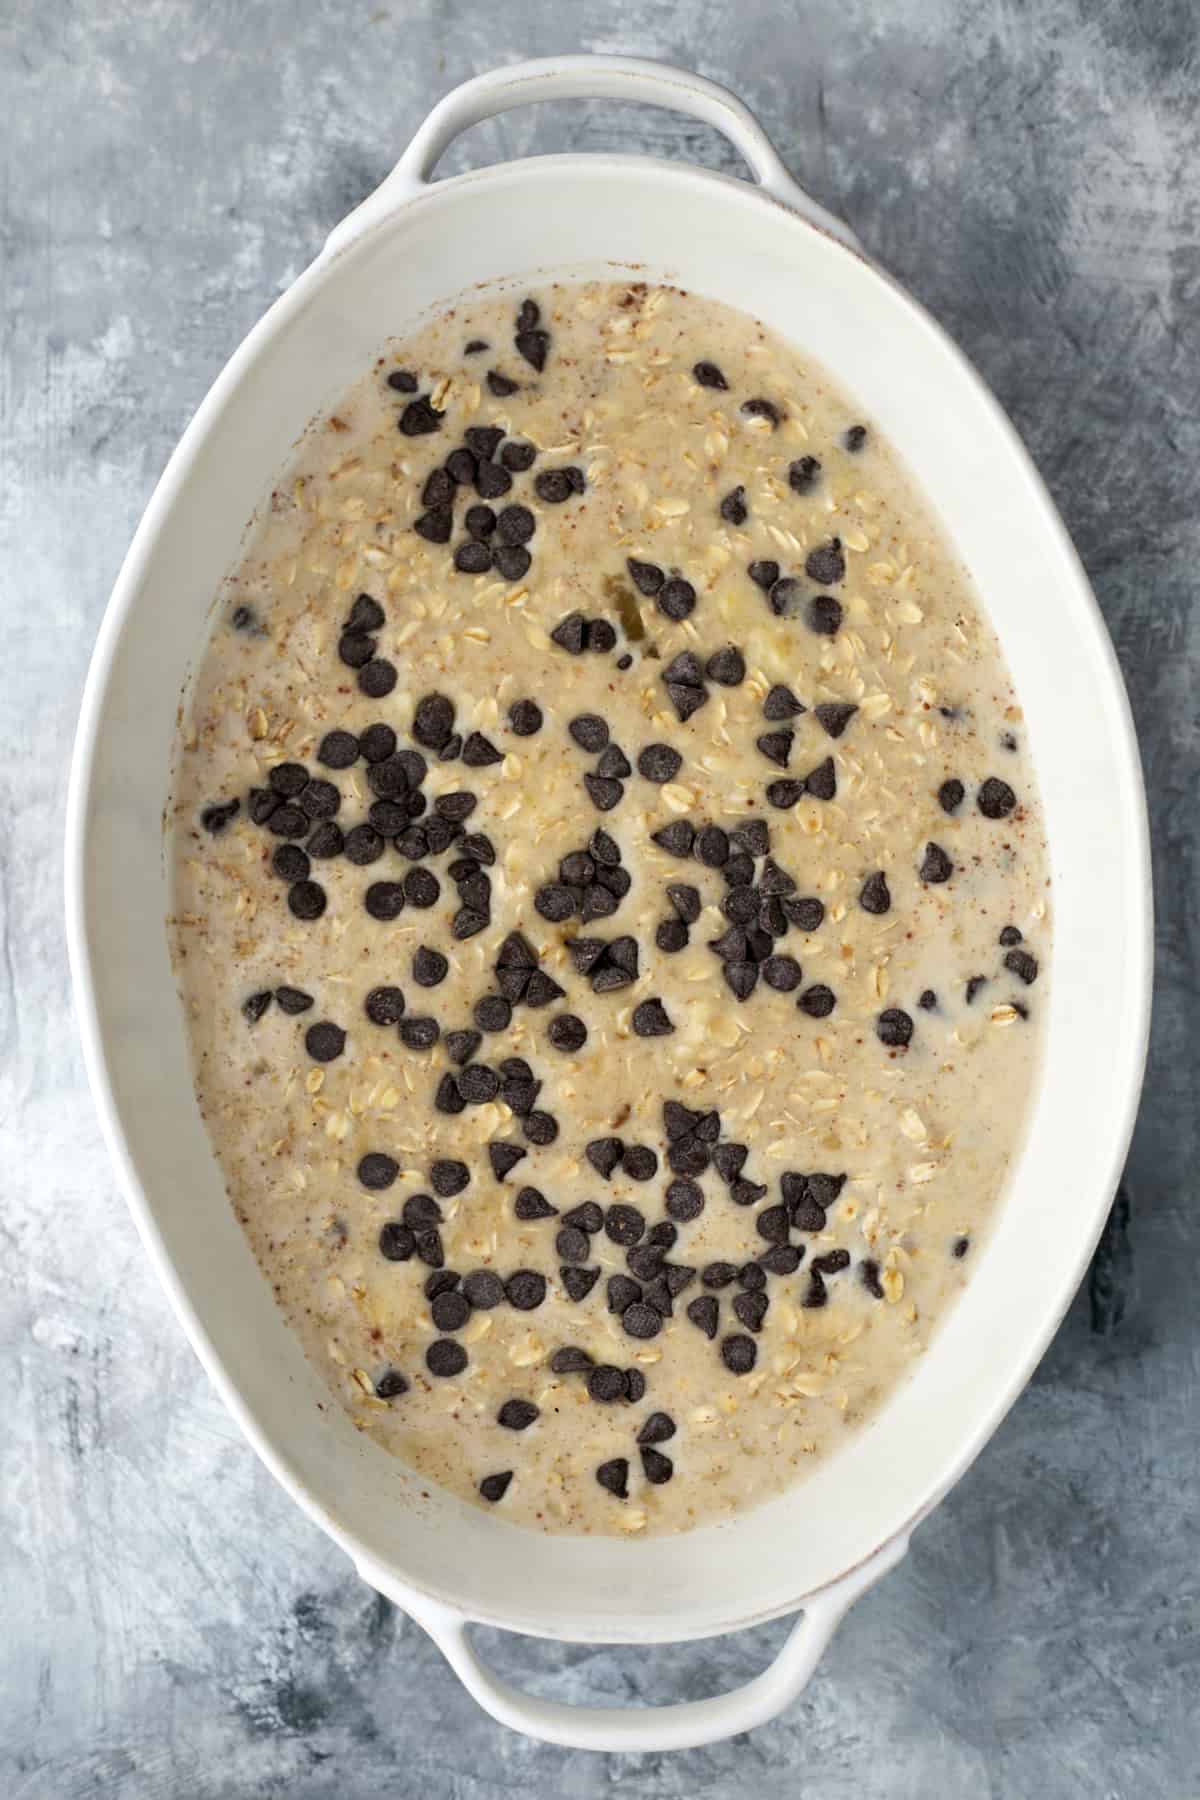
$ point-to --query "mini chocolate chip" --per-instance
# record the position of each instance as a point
(709, 376)
(494, 1487)
(613, 765)
(718, 1274)
(541, 989)
(772, 1224)
(461, 466)
(556, 902)
(834, 716)
(606, 1383)
(291, 863)
(729, 1160)
(803, 473)
(763, 573)
(824, 615)
(647, 577)
(391, 1385)
(396, 1242)
(726, 666)
(1008, 937)
(473, 558)
(685, 699)
(567, 1032)
(641, 1321)
(961, 1246)
(712, 846)
(759, 408)
(817, 1001)
(782, 1259)
(338, 749)
(603, 792)
(455, 806)
(785, 597)
(288, 779)
(613, 1476)
(974, 986)
(572, 1244)
(478, 1084)
(624, 1225)
(951, 795)
(598, 903)
(255, 1005)
(435, 527)
(738, 1352)
(894, 1027)
(420, 417)
(750, 1310)
(292, 1000)
(402, 381)
(500, 385)
(875, 896)
(262, 804)
(531, 1204)
(570, 633)
(447, 1097)
(1023, 965)
(676, 838)
(445, 1357)
(589, 731)
(450, 1311)
(570, 1360)
(526, 1289)
(480, 521)
(433, 721)
(776, 746)
(741, 978)
(650, 1019)
(785, 793)
(556, 485)
(493, 1013)
(928, 1000)
(324, 1041)
(492, 480)
(439, 490)
(540, 1127)
(288, 820)
(685, 1199)
(421, 887)
(821, 782)
(389, 817)
(504, 1157)
(855, 438)
(704, 1312)
(215, 818)
(429, 967)
(733, 508)
(384, 900)
(518, 457)
(449, 1176)
(995, 798)
(384, 1006)
(826, 565)
(671, 936)
(935, 865)
(832, 1262)
(419, 1033)
(517, 1415)
(783, 973)
(676, 599)
(622, 1292)
(640, 1162)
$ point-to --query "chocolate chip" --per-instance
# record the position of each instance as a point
(1023, 965)
(1008, 937)
(215, 818)
(435, 526)
(676, 838)
(624, 1225)
(589, 731)
(517, 1415)
(733, 508)
(785, 597)
(785, 793)
(759, 408)
(556, 485)
(540, 1127)
(534, 345)
(473, 558)
(817, 1001)
(782, 1259)
(711, 846)
(326, 840)
(292, 1000)
(622, 1293)
(421, 888)
(951, 795)
(438, 491)
(676, 599)
(455, 806)
(433, 721)
(518, 457)
(603, 793)
(493, 1013)
(419, 1033)
(832, 1262)
(288, 820)
(783, 973)
(614, 1476)
(646, 1261)
(995, 798)
(526, 1289)
(935, 865)
(504, 1157)
(704, 1312)
(834, 716)
(894, 1027)
(338, 750)
(444, 1357)
(738, 1352)
(855, 438)
(826, 565)
(641, 1321)
(570, 1360)
(396, 1242)
(291, 863)
(500, 385)
(728, 1160)
(803, 474)
(569, 634)
(288, 779)
(606, 1383)
(776, 746)
(494, 1487)
(492, 480)
(613, 765)
(255, 1005)
(448, 1176)
(685, 1199)
(556, 902)
(598, 903)
(429, 967)
(530, 1204)
(262, 804)
(824, 615)
(821, 782)
(402, 381)
(640, 1162)
(447, 1097)
(869, 1276)
(391, 1385)
(541, 989)
(928, 1000)
(750, 1310)
(478, 1084)
(685, 698)
(709, 376)
(650, 1019)
(875, 896)
(572, 1244)
(450, 1311)
(384, 1006)
(324, 1041)
(567, 1032)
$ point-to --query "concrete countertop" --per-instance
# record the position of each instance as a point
(172, 1625)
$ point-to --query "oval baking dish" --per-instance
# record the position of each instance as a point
(765, 248)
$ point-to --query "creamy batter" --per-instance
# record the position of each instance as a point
(610, 908)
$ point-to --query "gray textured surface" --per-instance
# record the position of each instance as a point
(172, 1626)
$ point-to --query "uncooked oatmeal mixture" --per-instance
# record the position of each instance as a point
(610, 905)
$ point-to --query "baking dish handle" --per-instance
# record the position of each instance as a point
(584, 78)
(641, 1729)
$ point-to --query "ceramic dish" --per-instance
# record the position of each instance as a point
(764, 247)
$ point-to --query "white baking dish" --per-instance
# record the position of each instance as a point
(767, 249)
